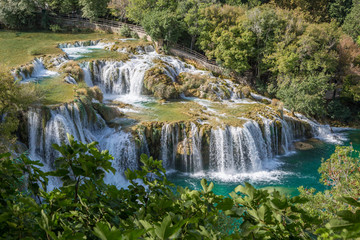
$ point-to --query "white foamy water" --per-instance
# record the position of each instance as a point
(39, 72)
(79, 50)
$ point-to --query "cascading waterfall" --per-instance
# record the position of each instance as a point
(322, 132)
(231, 149)
(236, 149)
(72, 119)
(127, 77)
(36, 70)
(186, 146)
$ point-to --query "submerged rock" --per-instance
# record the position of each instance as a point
(303, 146)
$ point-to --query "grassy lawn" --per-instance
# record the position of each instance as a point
(17, 48)
(101, 54)
(56, 91)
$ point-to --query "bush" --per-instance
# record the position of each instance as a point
(134, 35)
(56, 28)
(338, 111)
(125, 31)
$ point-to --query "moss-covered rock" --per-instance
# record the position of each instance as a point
(108, 113)
(159, 84)
(73, 69)
(303, 146)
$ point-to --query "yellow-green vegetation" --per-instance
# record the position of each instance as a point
(91, 92)
(17, 48)
(197, 85)
(101, 54)
(73, 69)
(168, 112)
(129, 45)
(56, 91)
(159, 84)
(13, 99)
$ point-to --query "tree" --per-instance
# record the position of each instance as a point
(93, 8)
(81, 164)
(304, 94)
(191, 12)
(62, 6)
(137, 10)
(339, 9)
(234, 47)
(315, 10)
(341, 173)
(118, 8)
(304, 66)
(163, 25)
(13, 99)
(352, 21)
(263, 22)
(18, 14)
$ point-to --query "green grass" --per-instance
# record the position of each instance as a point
(56, 91)
(17, 48)
(170, 112)
(101, 54)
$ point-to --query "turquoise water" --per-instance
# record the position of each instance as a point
(286, 174)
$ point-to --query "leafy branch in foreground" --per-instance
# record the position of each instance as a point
(151, 207)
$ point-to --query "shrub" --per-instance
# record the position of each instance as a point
(72, 68)
(134, 35)
(55, 28)
(125, 31)
(338, 111)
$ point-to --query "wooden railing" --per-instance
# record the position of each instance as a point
(176, 49)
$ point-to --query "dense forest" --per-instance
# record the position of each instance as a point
(304, 53)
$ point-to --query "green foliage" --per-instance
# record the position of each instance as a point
(304, 94)
(233, 45)
(93, 8)
(81, 164)
(55, 28)
(304, 67)
(151, 208)
(341, 172)
(315, 10)
(17, 14)
(163, 25)
(351, 88)
(125, 31)
(337, 110)
(14, 97)
(339, 9)
(63, 6)
(352, 21)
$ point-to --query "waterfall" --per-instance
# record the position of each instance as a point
(50, 126)
(33, 72)
(127, 77)
(192, 159)
(323, 132)
(236, 149)
(232, 150)
(120, 77)
(78, 44)
(87, 74)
